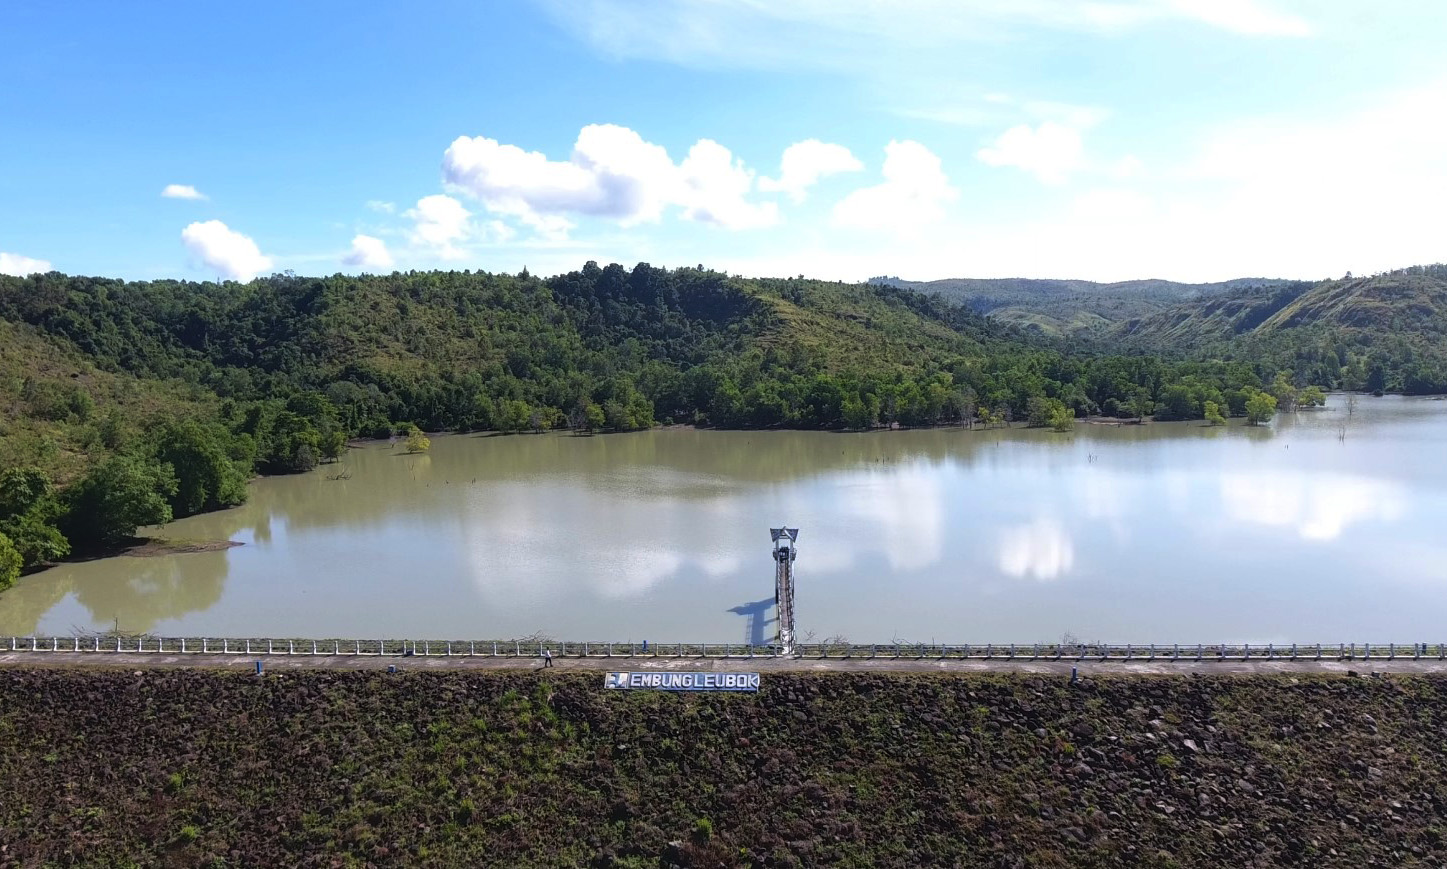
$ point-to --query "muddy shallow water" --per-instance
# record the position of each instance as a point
(1325, 527)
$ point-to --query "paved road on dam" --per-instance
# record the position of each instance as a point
(443, 663)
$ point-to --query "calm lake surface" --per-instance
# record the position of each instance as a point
(1160, 533)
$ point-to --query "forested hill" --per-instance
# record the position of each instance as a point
(1064, 307)
(1384, 332)
(448, 350)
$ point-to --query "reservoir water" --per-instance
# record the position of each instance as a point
(1324, 527)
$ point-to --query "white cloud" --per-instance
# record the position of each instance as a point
(1112, 204)
(804, 163)
(20, 266)
(501, 231)
(1050, 151)
(1359, 201)
(1246, 17)
(1129, 166)
(381, 206)
(1041, 549)
(716, 187)
(937, 59)
(369, 253)
(1347, 151)
(1067, 114)
(438, 223)
(867, 37)
(224, 250)
(612, 173)
(915, 191)
(181, 191)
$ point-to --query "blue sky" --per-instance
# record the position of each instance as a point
(1111, 139)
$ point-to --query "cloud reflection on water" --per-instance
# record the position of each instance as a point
(518, 551)
(899, 513)
(1318, 507)
(1040, 549)
(662, 529)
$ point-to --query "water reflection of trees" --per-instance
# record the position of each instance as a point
(156, 589)
(22, 607)
(679, 463)
(132, 594)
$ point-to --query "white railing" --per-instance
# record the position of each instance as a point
(533, 648)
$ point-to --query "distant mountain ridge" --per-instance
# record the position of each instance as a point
(1065, 307)
(1381, 332)
(1402, 302)
(1386, 331)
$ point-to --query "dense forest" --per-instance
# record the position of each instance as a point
(132, 403)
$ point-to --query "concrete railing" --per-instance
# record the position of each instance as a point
(530, 648)
(533, 648)
(1129, 652)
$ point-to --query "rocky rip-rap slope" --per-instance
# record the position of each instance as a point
(192, 768)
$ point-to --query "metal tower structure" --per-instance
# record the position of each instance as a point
(784, 554)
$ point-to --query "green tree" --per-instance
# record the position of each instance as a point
(514, 415)
(290, 442)
(206, 476)
(36, 538)
(1260, 407)
(10, 562)
(1141, 404)
(1177, 402)
(640, 411)
(1312, 396)
(28, 511)
(417, 442)
(1214, 415)
(961, 406)
(118, 495)
(333, 444)
(1284, 392)
(856, 413)
(593, 417)
(1062, 418)
(586, 416)
(616, 415)
(1037, 411)
(22, 489)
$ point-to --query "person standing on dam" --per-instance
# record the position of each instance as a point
(547, 658)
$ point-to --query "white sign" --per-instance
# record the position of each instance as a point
(684, 681)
